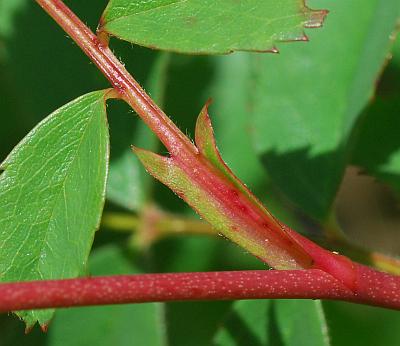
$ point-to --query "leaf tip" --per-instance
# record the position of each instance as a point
(315, 18)
(204, 133)
(209, 101)
(204, 116)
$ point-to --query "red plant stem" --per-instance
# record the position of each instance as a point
(119, 77)
(379, 289)
(339, 278)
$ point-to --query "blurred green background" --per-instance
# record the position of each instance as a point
(296, 127)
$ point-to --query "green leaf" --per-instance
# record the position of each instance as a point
(307, 100)
(246, 324)
(52, 192)
(279, 322)
(8, 11)
(377, 147)
(209, 26)
(301, 322)
(129, 324)
(351, 324)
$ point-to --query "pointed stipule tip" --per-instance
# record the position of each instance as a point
(208, 103)
(204, 110)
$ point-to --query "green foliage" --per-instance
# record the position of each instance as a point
(301, 322)
(209, 26)
(307, 100)
(52, 192)
(281, 322)
(8, 10)
(361, 325)
(377, 147)
(246, 324)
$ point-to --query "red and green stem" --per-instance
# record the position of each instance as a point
(198, 174)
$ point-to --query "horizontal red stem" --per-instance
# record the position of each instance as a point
(374, 288)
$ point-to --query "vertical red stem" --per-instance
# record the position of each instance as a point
(121, 80)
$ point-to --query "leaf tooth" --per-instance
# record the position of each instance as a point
(315, 18)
